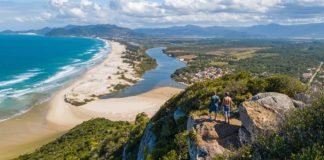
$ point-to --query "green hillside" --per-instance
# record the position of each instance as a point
(95, 139)
(105, 139)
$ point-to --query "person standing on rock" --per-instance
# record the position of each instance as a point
(227, 103)
(213, 107)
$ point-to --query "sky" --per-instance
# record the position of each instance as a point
(34, 14)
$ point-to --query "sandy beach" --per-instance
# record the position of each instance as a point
(48, 121)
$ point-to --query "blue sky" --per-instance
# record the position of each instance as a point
(30, 14)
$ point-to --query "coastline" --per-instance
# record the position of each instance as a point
(66, 76)
(43, 123)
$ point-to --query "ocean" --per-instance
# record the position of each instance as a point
(33, 67)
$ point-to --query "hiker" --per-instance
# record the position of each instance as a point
(227, 103)
(213, 107)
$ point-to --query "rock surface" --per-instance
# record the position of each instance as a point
(147, 142)
(299, 104)
(212, 137)
(178, 114)
(264, 113)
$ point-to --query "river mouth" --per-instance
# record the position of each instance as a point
(158, 77)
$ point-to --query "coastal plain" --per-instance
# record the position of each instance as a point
(45, 122)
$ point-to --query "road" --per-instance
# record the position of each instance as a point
(314, 75)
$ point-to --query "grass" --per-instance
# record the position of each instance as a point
(218, 63)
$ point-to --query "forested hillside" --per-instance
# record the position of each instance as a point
(95, 139)
(165, 136)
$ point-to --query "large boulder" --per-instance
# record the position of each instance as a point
(264, 112)
(211, 138)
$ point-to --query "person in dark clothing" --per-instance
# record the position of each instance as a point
(213, 107)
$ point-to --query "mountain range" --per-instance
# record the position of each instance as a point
(315, 30)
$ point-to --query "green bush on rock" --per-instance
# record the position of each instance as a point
(197, 98)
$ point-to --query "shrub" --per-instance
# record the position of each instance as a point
(97, 138)
(301, 135)
(284, 84)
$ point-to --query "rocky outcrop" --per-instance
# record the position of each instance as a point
(178, 114)
(124, 157)
(299, 104)
(264, 112)
(147, 142)
(211, 138)
(303, 97)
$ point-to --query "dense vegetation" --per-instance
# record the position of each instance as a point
(300, 137)
(265, 57)
(95, 139)
(137, 57)
(288, 58)
(171, 134)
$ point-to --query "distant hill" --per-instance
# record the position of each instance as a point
(193, 31)
(315, 30)
(104, 30)
(188, 31)
(42, 31)
(258, 31)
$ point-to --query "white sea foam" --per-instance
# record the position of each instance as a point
(19, 93)
(4, 92)
(34, 70)
(19, 78)
(77, 67)
(52, 83)
(65, 71)
(22, 111)
(90, 51)
(76, 60)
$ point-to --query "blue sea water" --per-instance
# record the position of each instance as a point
(33, 67)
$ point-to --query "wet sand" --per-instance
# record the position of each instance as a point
(44, 123)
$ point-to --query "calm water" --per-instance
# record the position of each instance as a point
(159, 77)
(33, 67)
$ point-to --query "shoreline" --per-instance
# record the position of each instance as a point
(89, 64)
(45, 122)
(102, 78)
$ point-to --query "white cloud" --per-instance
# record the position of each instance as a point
(42, 17)
(306, 2)
(58, 2)
(85, 11)
(78, 12)
(86, 3)
(215, 12)
(157, 13)
(202, 12)
(223, 5)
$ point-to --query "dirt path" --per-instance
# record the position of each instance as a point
(314, 75)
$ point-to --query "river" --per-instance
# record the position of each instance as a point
(158, 77)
